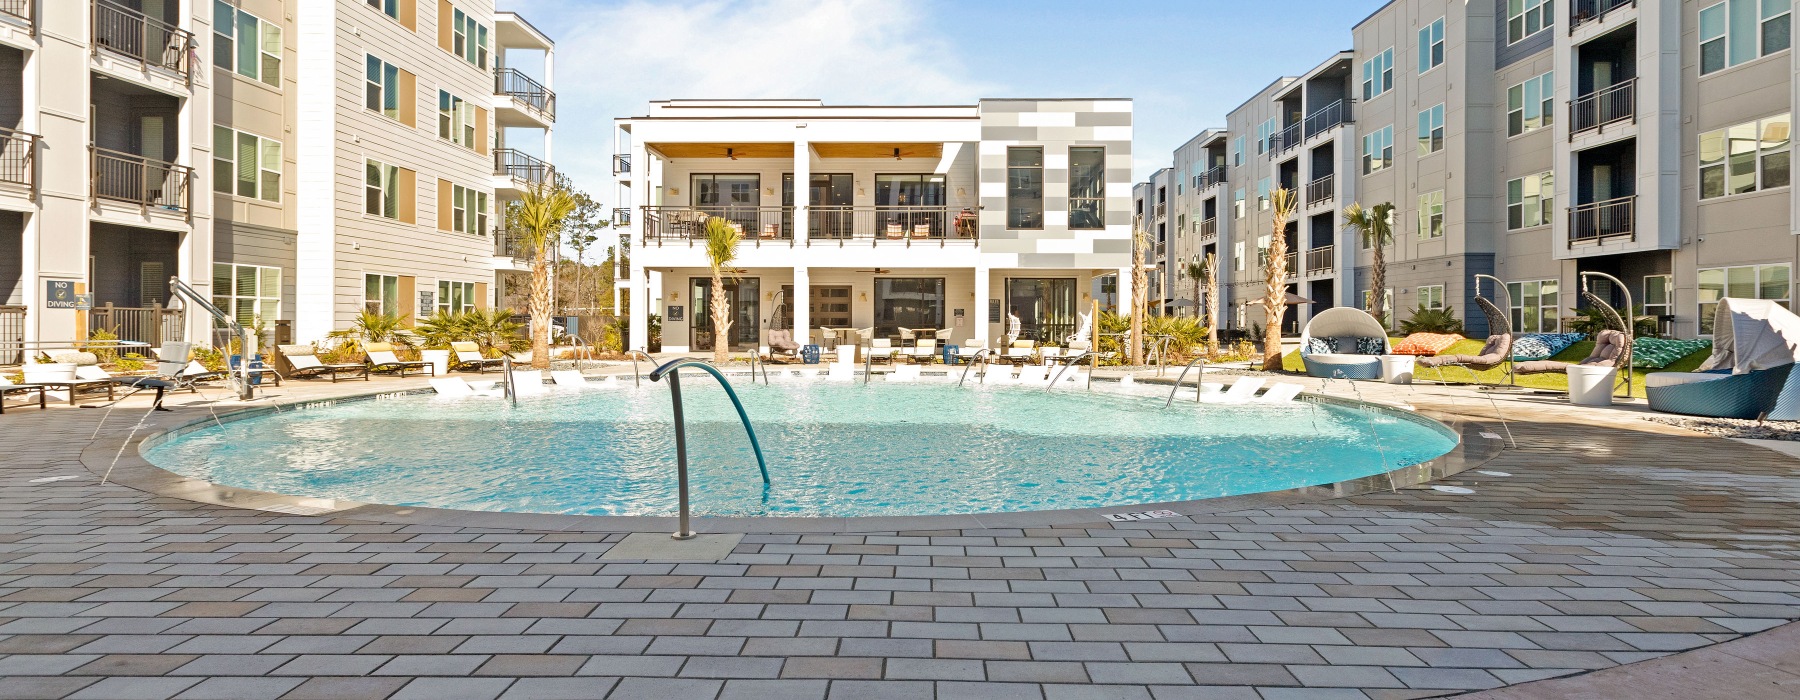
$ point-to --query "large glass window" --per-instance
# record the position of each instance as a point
(1263, 188)
(1534, 306)
(456, 120)
(1431, 45)
(247, 292)
(1747, 157)
(1431, 296)
(248, 45)
(1025, 187)
(469, 39)
(1530, 200)
(246, 164)
(1045, 307)
(908, 302)
(1527, 17)
(1087, 187)
(1771, 282)
(1431, 215)
(1659, 295)
(455, 297)
(390, 8)
(381, 294)
(1237, 151)
(382, 84)
(909, 190)
(381, 192)
(468, 210)
(743, 296)
(1531, 105)
(1265, 134)
(1739, 31)
(1378, 150)
(727, 190)
(1237, 203)
(1378, 74)
(1431, 130)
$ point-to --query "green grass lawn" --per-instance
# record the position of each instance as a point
(1556, 381)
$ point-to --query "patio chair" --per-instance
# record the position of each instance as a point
(1034, 374)
(1750, 372)
(301, 363)
(1610, 350)
(1497, 351)
(382, 359)
(782, 345)
(1344, 342)
(7, 388)
(570, 378)
(920, 231)
(881, 349)
(87, 378)
(966, 351)
(528, 382)
(451, 387)
(467, 355)
(1241, 391)
(1021, 351)
(922, 351)
(1282, 392)
(895, 232)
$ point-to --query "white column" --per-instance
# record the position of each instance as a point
(981, 304)
(802, 303)
(549, 84)
(640, 309)
(802, 198)
(1124, 286)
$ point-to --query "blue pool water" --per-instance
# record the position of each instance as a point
(832, 449)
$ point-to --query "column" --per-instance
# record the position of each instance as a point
(802, 305)
(802, 199)
(640, 278)
(640, 310)
(981, 305)
(1124, 286)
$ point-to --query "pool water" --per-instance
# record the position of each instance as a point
(833, 449)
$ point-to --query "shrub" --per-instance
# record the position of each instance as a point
(107, 351)
(131, 362)
(1425, 320)
(1591, 320)
(209, 357)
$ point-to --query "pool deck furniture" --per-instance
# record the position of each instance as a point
(1749, 396)
(782, 346)
(1397, 369)
(1755, 343)
(382, 359)
(1021, 351)
(1611, 350)
(881, 349)
(301, 363)
(1497, 351)
(467, 355)
(7, 388)
(1344, 325)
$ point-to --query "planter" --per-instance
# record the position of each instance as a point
(49, 372)
(1591, 385)
(439, 359)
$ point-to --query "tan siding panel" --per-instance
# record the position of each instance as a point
(443, 205)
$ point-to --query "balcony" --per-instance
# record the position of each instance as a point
(1321, 259)
(151, 42)
(18, 159)
(18, 10)
(1600, 221)
(1287, 139)
(621, 163)
(1293, 264)
(1162, 210)
(519, 165)
(1209, 229)
(840, 225)
(1584, 11)
(146, 182)
(621, 216)
(526, 91)
(1216, 176)
(1326, 118)
(1320, 191)
(511, 244)
(1598, 109)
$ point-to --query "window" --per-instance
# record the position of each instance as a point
(456, 120)
(1024, 187)
(469, 39)
(1431, 130)
(1237, 151)
(1527, 17)
(1378, 149)
(383, 88)
(468, 210)
(1534, 306)
(1045, 306)
(1431, 215)
(726, 190)
(1387, 306)
(390, 8)
(1378, 74)
(1769, 282)
(246, 165)
(381, 193)
(1431, 296)
(455, 297)
(1531, 105)
(1237, 203)
(1739, 31)
(1659, 293)
(1237, 256)
(1087, 188)
(381, 294)
(1265, 135)
(1746, 158)
(1431, 46)
(247, 292)
(1530, 200)
(246, 44)
(909, 302)
(1262, 194)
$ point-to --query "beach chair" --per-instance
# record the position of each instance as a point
(301, 363)
(1282, 392)
(1241, 391)
(528, 382)
(7, 388)
(882, 349)
(467, 355)
(1034, 374)
(569, 378)
(451, 387)
(904, 373)
(1021, 351)
(382, 359)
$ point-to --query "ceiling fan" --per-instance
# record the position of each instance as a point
(878, 270)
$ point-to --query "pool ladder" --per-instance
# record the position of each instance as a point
(635, 375)
(1199, 382)
(672, 371)
(507, 379)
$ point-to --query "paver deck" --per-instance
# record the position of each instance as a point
(1611, 541)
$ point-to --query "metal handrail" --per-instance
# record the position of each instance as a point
(1093, 364)
(506, 380)
(1199, 382)
(516, 84)
(755, 361)
(181, 290)
(1324, 119)
(672, 370)
(633, 354)
(148, 40)
(980, 355)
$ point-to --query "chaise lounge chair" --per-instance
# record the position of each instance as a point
(7, 388)
(467, 355)
(1610, 350)
(1343, 342)
(1750, 373)
(301, 363)
(382, 359)
(1497, 351)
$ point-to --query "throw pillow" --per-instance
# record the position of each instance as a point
(1321, 346)
(1371, 346)
(1657, 353)
(1426, 343)
(1542, 346)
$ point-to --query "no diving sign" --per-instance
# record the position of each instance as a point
(1146, 515)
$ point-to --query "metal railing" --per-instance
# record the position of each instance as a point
(147, 182)
(1598, 109)
(895, 225)
(621, 216)
(672, 371)
(1320, 191)
(512, 244)
(12, 335)
(1286, 139)
(1585, 11)
(758, 224)
(1598, 221)
(1293, 264)
(519, 86)
(1162, 210)
(1321, 259)
(20, 10)
(522, 166)
(150, 41)
(1209, 229)
(1326, 118)
(155, 324)
(1211, 177)
(621, 163)
(1199, 382)
(18, 158)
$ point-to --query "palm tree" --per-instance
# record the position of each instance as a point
(1140, 288)
(1374, 224)
(722, 240)
(1194, 269)
(537, 219)
(1275, 274)
(1209, 270)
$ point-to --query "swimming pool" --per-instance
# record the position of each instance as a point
(833, 450)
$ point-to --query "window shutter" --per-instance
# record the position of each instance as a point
(444, 205)
(409, 98)
(408, 301)
(443, 24)
(481, 295)
(406, 188)
(409, 14)
(481, 131)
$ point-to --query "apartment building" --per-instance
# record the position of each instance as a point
(949, 219)
(1533, 141)
(234, 144)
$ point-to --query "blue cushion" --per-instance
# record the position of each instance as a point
(1321, 346)
(1371, 346)
(1542, 346)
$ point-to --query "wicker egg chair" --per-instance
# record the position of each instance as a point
(1612, 346)
(1497, 351)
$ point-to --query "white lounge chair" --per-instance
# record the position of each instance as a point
(301, 364)
(968, 348)
(840, 372)
(1034, 374)
(923, 350)
(1241, 391)
(451, 387)
(1282, 392)
(904, 373)
(468, 356)
(1021, 351)
(881, 349)
(382, 359)
(569, 378)
(528, 382)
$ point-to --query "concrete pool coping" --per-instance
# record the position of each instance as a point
(121, 460)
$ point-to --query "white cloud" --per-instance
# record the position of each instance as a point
(613, 59)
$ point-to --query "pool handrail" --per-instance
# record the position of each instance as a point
(1199, 383)
(672, 370)
(1094, 362)
(980, 355)
(755, 361)
(506, 380)
(633, 354)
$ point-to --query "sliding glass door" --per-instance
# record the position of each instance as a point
(908, 302)
(744, 296)
(1045, 307)
(915, 203)
(734, 196)
(830, 196)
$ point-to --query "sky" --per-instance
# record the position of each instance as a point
(1185, 64)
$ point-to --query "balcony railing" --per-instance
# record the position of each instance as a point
(1209, 229)
(621, 216)
(511, 244)
(154, 324)
(522, 166)
(1293, 264)
(12, 335)
(1162, 210)
(1320, 191)
(146, 182)
(1286, 139)
(1598, 109)
(18, 158)
(1598, 221)
(1321, 259)
(1325, 118)
(1584, 11)
(621, 163)
(19, 10)
(521, 87)
(1210, 178)
(622, 264)
(149, 41)
(827, 225)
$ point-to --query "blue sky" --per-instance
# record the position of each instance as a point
(1184, 63)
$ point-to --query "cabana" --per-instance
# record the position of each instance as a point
(1748, 376)
(1343, 342)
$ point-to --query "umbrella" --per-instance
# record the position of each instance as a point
(1181, 303)
(1292, 300)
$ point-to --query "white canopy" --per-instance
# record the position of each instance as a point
(1753, 334)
